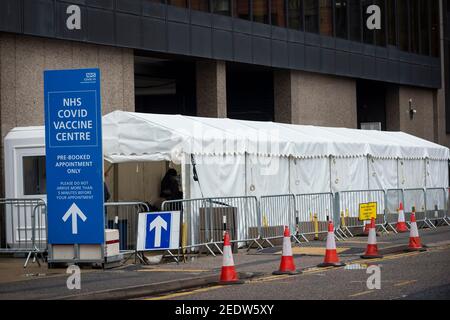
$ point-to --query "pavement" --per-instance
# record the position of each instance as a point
(162, 280)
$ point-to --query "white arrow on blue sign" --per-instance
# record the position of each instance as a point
(74, 212)
(158, 230)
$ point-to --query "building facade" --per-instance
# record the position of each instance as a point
(310, 62)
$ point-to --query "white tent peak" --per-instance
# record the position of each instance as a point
(131, 136)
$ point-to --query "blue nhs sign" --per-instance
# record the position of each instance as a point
(74, 157)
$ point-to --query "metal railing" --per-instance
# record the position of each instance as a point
(123, 216)
(314, 210)
(437, 206)
(416, 197)
(204, 221)
(347, 207)
(393, 199)
(23, 227)
(277, 211)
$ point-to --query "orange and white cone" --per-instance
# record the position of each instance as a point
(331, 257)
(372, 247)
(401, 223)
(366, 228)
(287, 265)
(228, 274)
(414, 239)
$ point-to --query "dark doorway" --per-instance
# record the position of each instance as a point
(164, 86)
(371, 100)
(250, 93)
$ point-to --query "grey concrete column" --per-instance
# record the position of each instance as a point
(285, 103)
(211, 89)
(315, 99)
(397, 111)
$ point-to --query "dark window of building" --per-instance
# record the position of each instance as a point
(295, 14)
(311, 9)
(403, 28)
(380, 35)
(424, 27)
(326, 17)
(341, 18)
(222, 7)
(250, 93)
(260, 11)
(178, 3)
(434, 8)
(241, 9)
(391, 22)
(200, 5)
(414, 23)
(371, 102)
(278, 13)
(368, 35)
(355, 19)
(34, 181)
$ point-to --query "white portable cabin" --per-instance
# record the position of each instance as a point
(250, 158)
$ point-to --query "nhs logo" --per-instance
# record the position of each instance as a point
(90, 77)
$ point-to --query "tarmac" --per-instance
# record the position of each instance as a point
(132, 281)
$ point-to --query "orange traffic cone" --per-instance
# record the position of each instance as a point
(366, 228)
(414, 239)
(331, 257)
(287, 265)
(401, 224)
(228, 274)
(372, 247)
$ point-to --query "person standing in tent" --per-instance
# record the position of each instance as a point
(170, 186)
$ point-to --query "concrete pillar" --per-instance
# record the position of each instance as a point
(23, 61)
(286, 106)
(315, 99)
(397, 111)
(440, 134)
(211, 89)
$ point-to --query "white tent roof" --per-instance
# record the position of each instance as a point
(130, 136)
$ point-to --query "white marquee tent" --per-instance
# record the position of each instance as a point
(235, 157)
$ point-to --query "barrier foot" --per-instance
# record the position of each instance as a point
(303, 236)
(329, 264)
(218, 248)
(209, 249)
(393, 229)
(348, 230)
(384, 228)
(296, 239)
(371, 257)
(290, 273)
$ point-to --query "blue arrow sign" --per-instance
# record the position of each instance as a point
(158, 235)
(74, 158)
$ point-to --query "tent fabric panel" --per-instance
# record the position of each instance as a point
(349, 174)
(266, 175)
(309, 175)
(382, 174)
(437, 174)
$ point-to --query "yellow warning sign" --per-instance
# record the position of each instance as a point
(367, 211)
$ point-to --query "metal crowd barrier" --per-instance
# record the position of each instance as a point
(204, 220)
(123, 216)
(23, 227)
(314, 210)
(393, 199)
(416, 197)
(277, 211)
(437, 206)
(347, 206)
